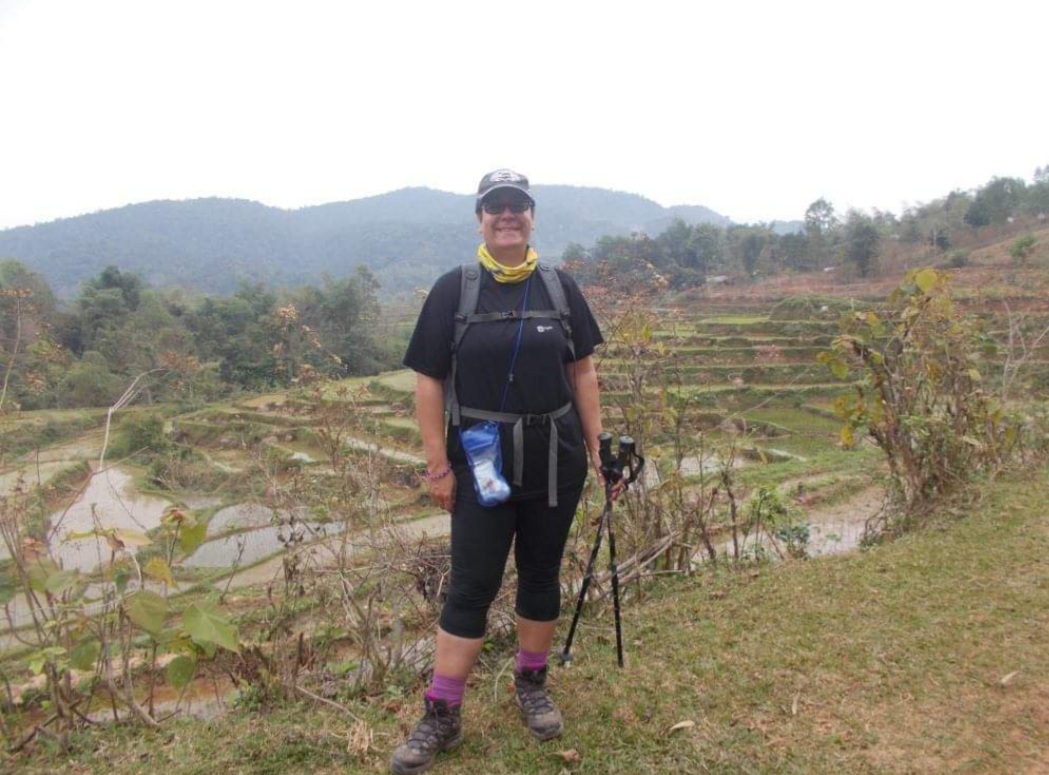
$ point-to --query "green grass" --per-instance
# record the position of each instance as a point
(740, 320)
(889, 661)
(402, 381)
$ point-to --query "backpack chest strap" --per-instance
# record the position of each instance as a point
(513, 314)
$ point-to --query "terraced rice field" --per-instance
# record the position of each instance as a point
(747, 384)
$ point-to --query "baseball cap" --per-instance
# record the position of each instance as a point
(500, 179)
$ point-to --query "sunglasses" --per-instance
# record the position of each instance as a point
(515, 205)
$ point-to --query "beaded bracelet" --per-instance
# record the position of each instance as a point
(440, 474)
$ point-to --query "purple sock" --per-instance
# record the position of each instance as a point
(451, 690)
(530, 660)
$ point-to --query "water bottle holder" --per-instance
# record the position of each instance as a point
(484, 454)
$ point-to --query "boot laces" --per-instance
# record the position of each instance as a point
(533, 696)
(428, 730)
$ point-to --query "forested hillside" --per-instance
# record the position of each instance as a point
(407, 238)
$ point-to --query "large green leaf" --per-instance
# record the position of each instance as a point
(55, 655)
(84, 655)
(190, 537)
(147, 610)
(925, 279)
(61, 581)
(158, 568)
(205, 624)
(39, 572)
(181, 670)
(8, 588)
(135, 538)
(174, 639)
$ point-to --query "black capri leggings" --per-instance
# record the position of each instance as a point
(481, 538)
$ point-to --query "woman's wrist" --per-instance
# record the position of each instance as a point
(432, 475)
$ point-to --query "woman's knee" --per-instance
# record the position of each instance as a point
(464, 619)
(539, 597)
(465, 612)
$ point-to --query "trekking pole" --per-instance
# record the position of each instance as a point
(566, 655)
(615, 580)
(612, 468)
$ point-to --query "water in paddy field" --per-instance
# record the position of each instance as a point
(110, 500)
(833, 530)
(250, 546)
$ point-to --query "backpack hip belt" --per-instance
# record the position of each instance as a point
(519, 421)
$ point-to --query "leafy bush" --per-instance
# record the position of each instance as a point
(139, 434)
(1021, 248)
(919, 375)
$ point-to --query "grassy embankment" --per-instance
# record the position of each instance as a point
(925, 655)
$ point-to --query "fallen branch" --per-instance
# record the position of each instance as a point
(134, 707)
(324, 701)
(634, 567)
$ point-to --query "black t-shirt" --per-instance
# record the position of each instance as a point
(540, 384)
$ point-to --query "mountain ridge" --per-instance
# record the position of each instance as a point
(406, 237)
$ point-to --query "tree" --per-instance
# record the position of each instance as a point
(90, 382)
(706, 247)
(820, 223)
(574, 253)
(675, 245)
(238, 333)
(861, 242)
(104, 304)
(746, 243)
(820, 219)
(342, 314)
(1036, 197)
(128, 284)
(792, 251)
(996, 202)
(29, 360)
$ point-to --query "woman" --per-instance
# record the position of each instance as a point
(522, 360)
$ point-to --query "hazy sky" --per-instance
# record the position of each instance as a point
(753, 109)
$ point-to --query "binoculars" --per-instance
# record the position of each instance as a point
(613, 465)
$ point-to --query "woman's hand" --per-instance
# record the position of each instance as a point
(595, 461)
(443, 491)
(429, 411)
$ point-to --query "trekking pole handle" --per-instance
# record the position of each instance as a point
(613, 465)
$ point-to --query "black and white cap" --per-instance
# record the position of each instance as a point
(500, 179)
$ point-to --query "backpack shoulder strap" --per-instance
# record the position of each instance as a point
(469, 291)
(556, 291)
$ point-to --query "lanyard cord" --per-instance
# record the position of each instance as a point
(517, 345)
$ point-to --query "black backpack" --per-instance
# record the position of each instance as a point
(467, 315)
(470, 290)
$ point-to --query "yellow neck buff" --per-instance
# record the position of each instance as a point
(508, 274)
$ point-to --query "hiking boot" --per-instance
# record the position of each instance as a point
(440, 729)
(539, 712)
